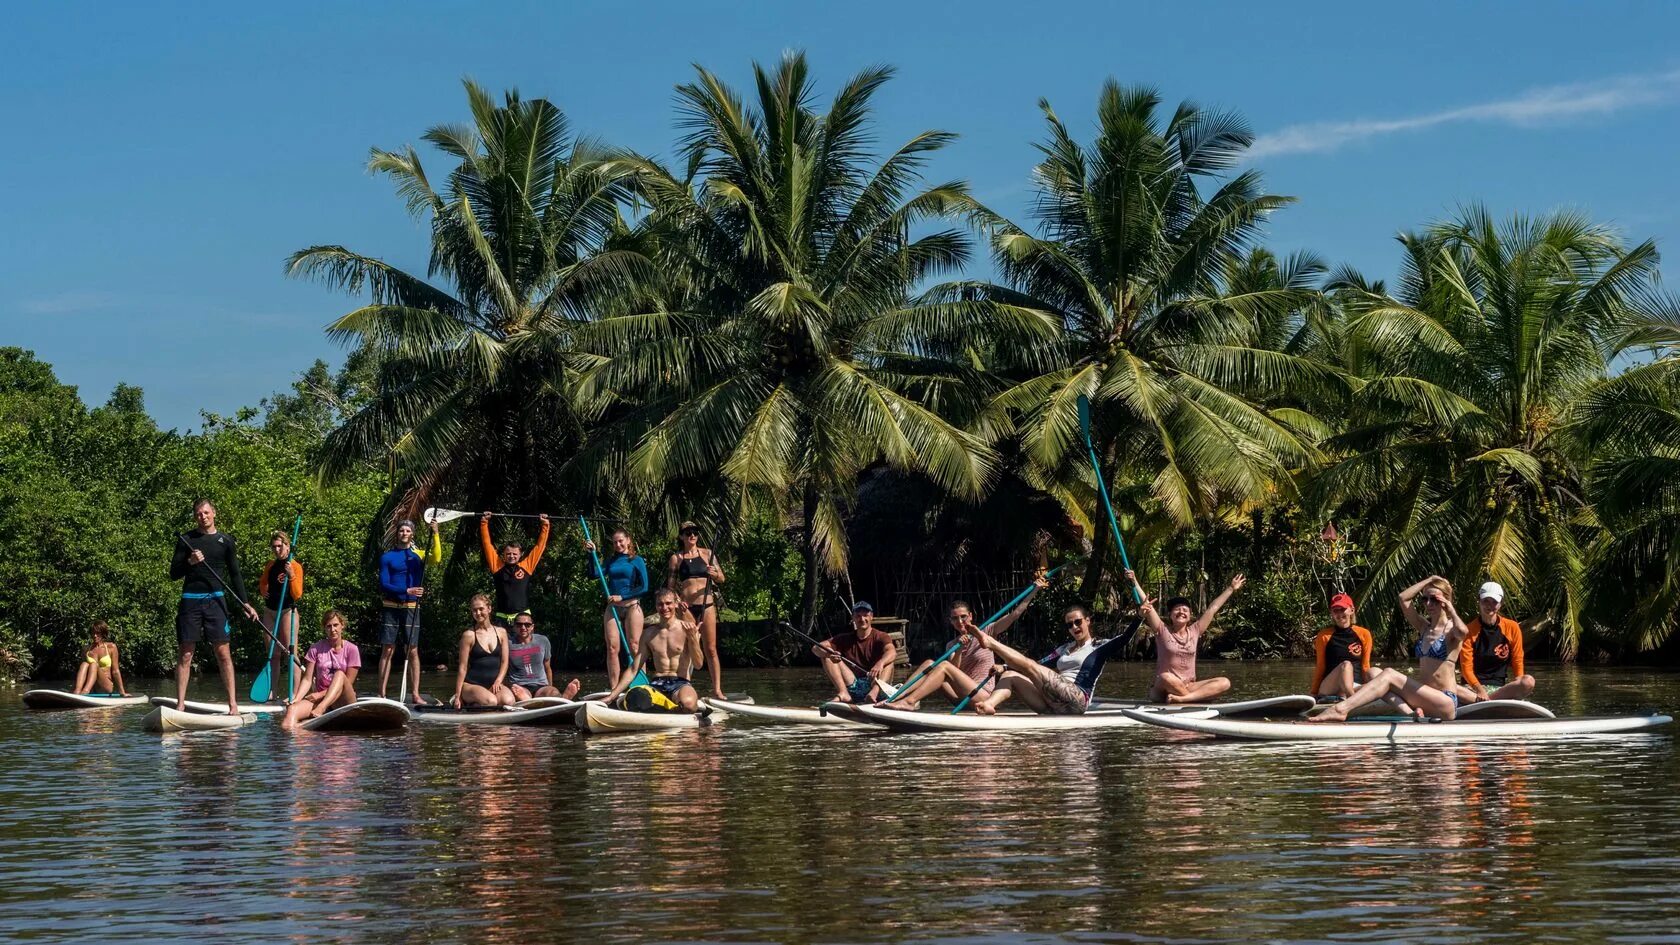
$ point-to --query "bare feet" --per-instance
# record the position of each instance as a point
(1334, 713)
(982, 707)
(571, 690)
(233, 708)
(908, 705)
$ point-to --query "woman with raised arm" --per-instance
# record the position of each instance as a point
(693, 572)
(1176, 640)
(1440, 633)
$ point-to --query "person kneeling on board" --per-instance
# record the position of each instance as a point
(1061, 683)
(482, 662)
(530, 662)
(1493, 652)
(329, 674)
(1176, 641)
(1342, 652)
(969, 673)
(100, 669)
(1440, 632)
(672, 648)
(863, 646)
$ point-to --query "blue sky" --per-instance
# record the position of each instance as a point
(166, 158)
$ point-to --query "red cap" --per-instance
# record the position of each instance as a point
(1341, 600)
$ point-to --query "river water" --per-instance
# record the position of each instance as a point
(752, 833)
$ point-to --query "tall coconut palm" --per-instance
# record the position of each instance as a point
(1140, 235)
(474, 397)
(1459, 443)
(779, 347)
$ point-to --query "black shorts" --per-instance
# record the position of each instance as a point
(201, 619)
(528, 687)
(399, 626)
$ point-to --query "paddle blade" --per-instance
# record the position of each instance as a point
(1085, 416)
(260, 687)
(439, 516)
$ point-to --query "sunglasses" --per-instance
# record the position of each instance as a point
(1069, 625)
(524, 623)
(690, 532)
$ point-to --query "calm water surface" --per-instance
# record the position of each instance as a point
(752, 833)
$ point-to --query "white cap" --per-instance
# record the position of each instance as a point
(1493, 590)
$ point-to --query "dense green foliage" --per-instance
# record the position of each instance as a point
(780, 335)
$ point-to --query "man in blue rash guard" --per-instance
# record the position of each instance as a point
(627, 581)
(1061, 683)
(402, 582)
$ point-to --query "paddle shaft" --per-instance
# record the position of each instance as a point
(1102, 491)
(242, 605)
(606, 589)
(888, 688)
(262, 687)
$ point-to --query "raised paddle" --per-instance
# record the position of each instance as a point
(229, 592)
(1102, 487)
(439, 516)
(640, 679)
(862, 672)
(261, 688)
(994, 618)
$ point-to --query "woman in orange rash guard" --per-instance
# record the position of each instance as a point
(1343, 652)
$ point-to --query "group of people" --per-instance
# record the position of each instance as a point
(1458, 663)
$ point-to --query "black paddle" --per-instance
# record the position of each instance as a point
(862, 672)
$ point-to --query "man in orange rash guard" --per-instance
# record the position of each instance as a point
(1343, 652)
(1493, 653)
(511, 570)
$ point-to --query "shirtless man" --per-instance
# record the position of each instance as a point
(1176, 640)
(671, 648)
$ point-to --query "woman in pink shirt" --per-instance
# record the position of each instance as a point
(329, 674)
(1176, 640)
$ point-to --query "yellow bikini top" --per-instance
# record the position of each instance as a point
(103, 659)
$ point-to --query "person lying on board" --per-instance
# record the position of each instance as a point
(482, 663)
(863, 645)
(969, 672)
(511, 570)
(1341, 652)
(329, 675)
(1440, 633)
(281, 588)
(1493, 653)
(1176, 640)
(99, 669)
(531, 662)
(670, 648)
(1061, 683)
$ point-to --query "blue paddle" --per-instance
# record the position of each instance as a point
(958, 645)
(261, 687)
(640, 679)
(1102, 487)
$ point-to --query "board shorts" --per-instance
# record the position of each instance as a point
(860, 689)
(1061, 696)
(399, 626)
(202, 617)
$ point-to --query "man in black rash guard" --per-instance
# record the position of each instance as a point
(202, 613)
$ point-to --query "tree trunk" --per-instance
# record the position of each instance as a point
(808, 601)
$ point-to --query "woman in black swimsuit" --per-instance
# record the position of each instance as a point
(694, 576)
(483, 662)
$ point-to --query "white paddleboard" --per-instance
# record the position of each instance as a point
(1504, 709)
(1379, 730)
(370, 714)
(900, 720)
(220, 708)
(598, 718)
(166, 720)
(1274, 706)
(781, 714)
(60, 699)
(558, 714)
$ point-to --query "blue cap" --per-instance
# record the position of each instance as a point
(863, 606)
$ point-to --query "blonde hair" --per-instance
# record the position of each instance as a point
(1440, 584)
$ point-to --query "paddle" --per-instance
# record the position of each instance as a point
(989, 621)
(229, 592)
(439, 516)
(261, 688)
(861, 671)
(1102, 487)
(640, 679)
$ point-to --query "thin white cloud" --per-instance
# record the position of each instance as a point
(73, 302)
(1535, 107)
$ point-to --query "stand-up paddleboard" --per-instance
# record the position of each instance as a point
(60, 699)
(900, 720)
(220, 708)
(1273, 707)
(1378, 730)
(1490, 709)
(370, 714)
(166, 720)
(781, 714)
(598, 718)
(557, 714)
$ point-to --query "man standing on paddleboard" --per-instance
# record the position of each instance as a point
(402, 582)
(207, 566)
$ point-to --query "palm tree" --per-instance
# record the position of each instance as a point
(1459, 441)
(474, 400)
(779, 347)
(1139, 265)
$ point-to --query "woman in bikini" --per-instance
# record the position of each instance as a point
(482, 663)
(1440, 634)
(99, 669)
(694, 575)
